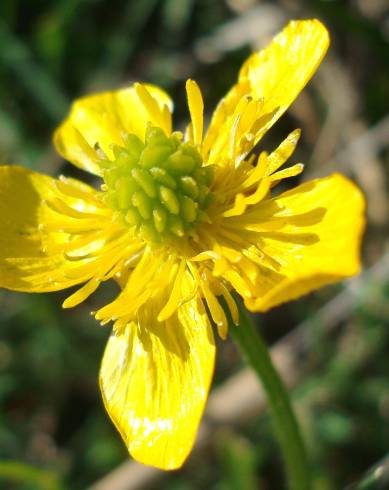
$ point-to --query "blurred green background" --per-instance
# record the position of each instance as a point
(54, 433)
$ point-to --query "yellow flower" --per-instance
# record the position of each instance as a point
(180, 222)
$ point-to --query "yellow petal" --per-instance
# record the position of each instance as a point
(104, 118)
(26, 263)
(316, 242)
(155, 379)
(273, 77)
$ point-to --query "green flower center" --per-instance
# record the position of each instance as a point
(159, 186)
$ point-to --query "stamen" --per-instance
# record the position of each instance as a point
(196, 109)
(230, 302)
(157, 115)
(175, 296)
(217, 312)
(81, 294)
(287, 172)
(241, 201)
(281, 154)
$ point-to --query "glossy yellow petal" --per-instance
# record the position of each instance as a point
(155, 379)
(268, 83)
(32, 245)
(98, 121)
(314, 234)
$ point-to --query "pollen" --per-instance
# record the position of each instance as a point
(159, 186)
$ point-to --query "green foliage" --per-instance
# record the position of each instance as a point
(32, 478)
(238, 459)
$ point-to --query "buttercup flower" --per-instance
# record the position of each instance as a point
(180, 221)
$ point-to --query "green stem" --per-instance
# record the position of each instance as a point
(285, 424)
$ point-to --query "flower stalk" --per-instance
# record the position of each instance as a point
(284, 420)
